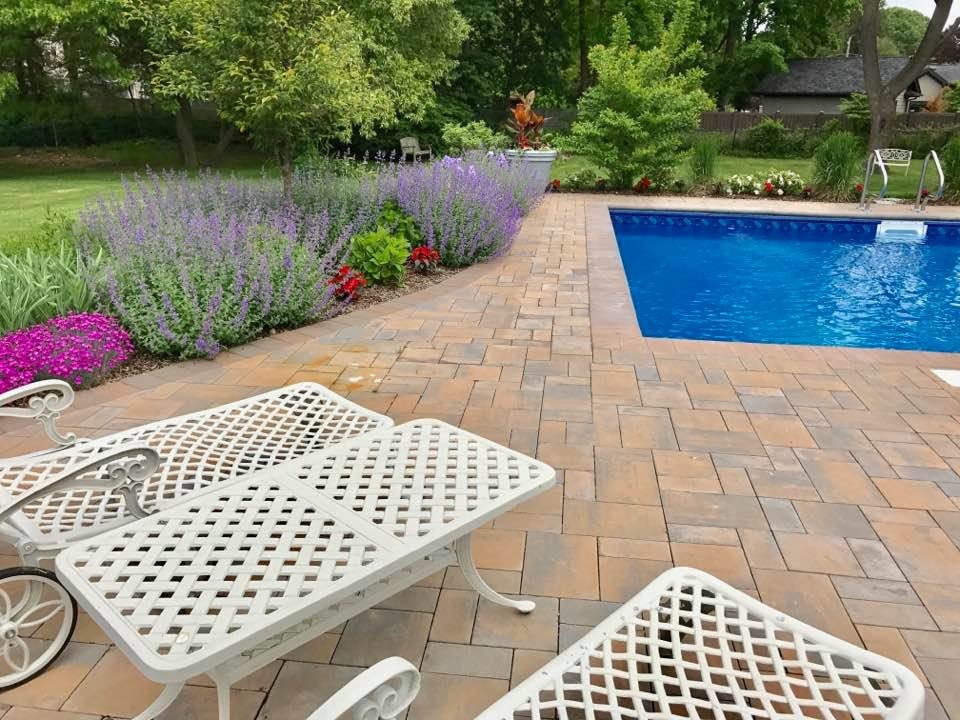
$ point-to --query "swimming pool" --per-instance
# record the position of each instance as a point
(791, 279)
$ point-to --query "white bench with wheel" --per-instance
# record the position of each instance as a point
(53, 499)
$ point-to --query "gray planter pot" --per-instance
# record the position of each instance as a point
(537, 163)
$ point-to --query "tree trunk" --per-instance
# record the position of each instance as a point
(883, 115)
(188, 144)
(227, 133)
(583, 47)
(285, 152)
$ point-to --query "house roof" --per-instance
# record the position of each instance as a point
(838, 76)
(948, 74)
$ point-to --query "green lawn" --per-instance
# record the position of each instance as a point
(901, 186)
(35, 183)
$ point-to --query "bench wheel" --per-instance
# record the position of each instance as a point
(29, 599)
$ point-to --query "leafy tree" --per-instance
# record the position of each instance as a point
(728, 29)
(635, 119)
(175, 70)
(44, 40)
(948, 51)
(904, 27)
(883, 95)
(299, 71)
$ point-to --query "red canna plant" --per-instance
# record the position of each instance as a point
(524, 122)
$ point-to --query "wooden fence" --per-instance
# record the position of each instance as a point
(735, 122)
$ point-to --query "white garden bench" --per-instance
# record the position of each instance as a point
(687, 646)
(237, 575)
(896, 157)
(53, 499)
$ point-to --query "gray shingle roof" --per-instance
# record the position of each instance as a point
(826, 76)
(950, 74)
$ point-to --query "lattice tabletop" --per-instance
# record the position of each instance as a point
(212, 577)
(691, 646)
(198, 450)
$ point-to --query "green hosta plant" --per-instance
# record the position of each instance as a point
(380, 256)
(460, 138)
(36, 286)
(394, 219)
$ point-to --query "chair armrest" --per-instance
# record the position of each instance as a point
(47, 399)
(382, 691)
(123, 469)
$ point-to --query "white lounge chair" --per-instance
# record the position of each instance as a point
(52, 499)
(687, 646)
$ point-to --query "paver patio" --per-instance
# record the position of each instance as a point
(826, 481)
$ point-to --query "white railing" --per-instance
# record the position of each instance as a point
(921, 202)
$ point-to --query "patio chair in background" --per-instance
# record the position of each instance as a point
(688, 645)
(896, 157)
(410, 148)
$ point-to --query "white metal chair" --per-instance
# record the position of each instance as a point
(687, 646)
(410, 148)
(52, 499)
(897, 157)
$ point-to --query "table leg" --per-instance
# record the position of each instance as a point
(223, 701)
(166, 698)
(465, 558)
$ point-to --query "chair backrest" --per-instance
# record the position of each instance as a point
(896, 156)
(409, 144)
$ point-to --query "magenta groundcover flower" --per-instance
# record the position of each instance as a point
(79, 348)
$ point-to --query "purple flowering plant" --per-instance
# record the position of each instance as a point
(197, 265)
(468, 208)
(80, 349)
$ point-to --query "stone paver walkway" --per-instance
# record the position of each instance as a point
(823, 480)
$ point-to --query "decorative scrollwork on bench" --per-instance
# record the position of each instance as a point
(45, 401)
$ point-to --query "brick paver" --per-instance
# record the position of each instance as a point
(823, 480)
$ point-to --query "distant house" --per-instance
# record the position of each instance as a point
(815, 85)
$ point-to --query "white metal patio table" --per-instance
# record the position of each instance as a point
(241, 573)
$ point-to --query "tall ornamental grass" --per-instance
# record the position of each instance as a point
(703, 158)
(38, 285)
(837, 162)
(468, 209)
(196, 265)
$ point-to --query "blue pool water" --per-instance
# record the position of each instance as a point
(811, 281)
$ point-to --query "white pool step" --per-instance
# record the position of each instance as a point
(901, 231)
(950, 377)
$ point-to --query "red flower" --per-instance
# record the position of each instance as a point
(808, 190)
(554, 185)
(859, 188)
(643, 185)
(924, 193)
(347, 283)
(424, 258)
(768, 187)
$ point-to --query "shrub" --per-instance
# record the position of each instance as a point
(394, 219)
(703, 158)
(36, 285)
(424, 258)
(951, 98)
(469, 209)
(463, 137)
(194, 266)
(766, 139)
(773, 183)
(380, 256)
(836, 163)
(79, 349)
(635, 119)
(585, 179)
(856, 110)
(950, 160)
